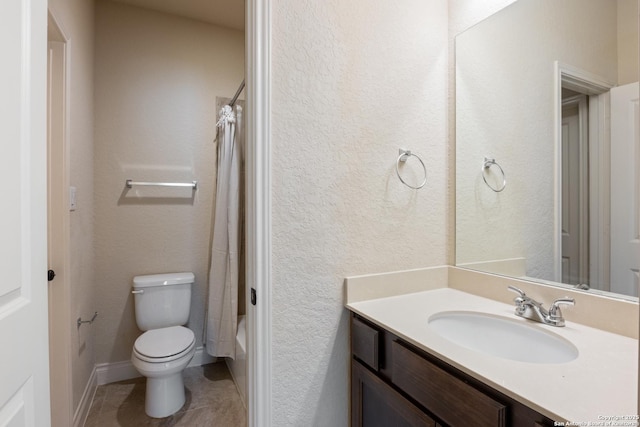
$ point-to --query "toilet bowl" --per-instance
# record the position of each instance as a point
(161, 355)
(162, 304)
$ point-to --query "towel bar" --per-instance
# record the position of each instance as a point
(193, 184)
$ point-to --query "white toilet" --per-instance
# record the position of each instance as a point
(162, 304)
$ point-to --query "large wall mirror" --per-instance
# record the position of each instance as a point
(547, 144)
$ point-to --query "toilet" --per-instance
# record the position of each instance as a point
(162, 304)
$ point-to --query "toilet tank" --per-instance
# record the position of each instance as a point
(162, 300)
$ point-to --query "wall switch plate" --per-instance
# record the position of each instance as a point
(72, 198)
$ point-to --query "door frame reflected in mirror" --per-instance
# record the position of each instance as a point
(597, 89)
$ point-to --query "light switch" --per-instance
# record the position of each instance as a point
(72, 198)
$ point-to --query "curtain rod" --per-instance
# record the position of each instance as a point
(235, 97)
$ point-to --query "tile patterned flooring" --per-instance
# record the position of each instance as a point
(212, 400)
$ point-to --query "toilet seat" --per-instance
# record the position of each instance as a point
(164, 344)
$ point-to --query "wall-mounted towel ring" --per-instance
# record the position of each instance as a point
(488, 162)
(404, 155)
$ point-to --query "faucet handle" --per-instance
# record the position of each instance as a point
(555, 314)
(517, 290)
(555, 307)
(520, 300)
(523, 298)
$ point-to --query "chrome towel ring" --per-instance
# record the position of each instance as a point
(488, 162)
(404, 155)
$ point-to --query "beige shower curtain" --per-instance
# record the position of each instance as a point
(225, 249)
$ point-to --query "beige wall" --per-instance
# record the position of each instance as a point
(157, 79)
(352, 82)
(76, 20)
(627, 41)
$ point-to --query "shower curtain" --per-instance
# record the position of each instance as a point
(225, 249)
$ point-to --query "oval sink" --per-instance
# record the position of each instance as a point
(502, 337)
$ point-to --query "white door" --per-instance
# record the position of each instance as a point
(24, 375)
(625, 190)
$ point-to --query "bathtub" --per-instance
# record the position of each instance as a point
(238, 367)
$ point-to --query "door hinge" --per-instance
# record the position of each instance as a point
(253, 296)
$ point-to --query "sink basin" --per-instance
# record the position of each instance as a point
(502, 337)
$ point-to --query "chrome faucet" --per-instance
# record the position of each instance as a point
(531, 309)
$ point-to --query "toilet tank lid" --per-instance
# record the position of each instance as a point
(163, 279)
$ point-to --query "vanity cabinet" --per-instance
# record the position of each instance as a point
(396, 384)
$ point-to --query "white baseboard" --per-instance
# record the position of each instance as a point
(119, 371)
(201, 357)
(116, 371)
(82, 411)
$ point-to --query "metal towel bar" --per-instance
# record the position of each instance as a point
(193, 184)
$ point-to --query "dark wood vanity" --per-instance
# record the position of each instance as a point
(395, 384)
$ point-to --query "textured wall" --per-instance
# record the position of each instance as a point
(157, 78)
(352, 82)
(76, 19)
(505, 109)
(463, 14)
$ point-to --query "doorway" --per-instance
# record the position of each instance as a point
(575, 188)
(58, 228)
(582, 183)
(157, 75)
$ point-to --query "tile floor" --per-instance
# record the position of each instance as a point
(212, 400)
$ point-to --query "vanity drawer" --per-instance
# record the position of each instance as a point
(452, 400)
(365, 343)
(376, 404)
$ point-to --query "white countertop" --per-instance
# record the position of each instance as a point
(601, 382)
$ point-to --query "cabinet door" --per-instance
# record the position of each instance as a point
(375, 404)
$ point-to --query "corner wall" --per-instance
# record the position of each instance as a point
(352, 82)
(157, 79)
